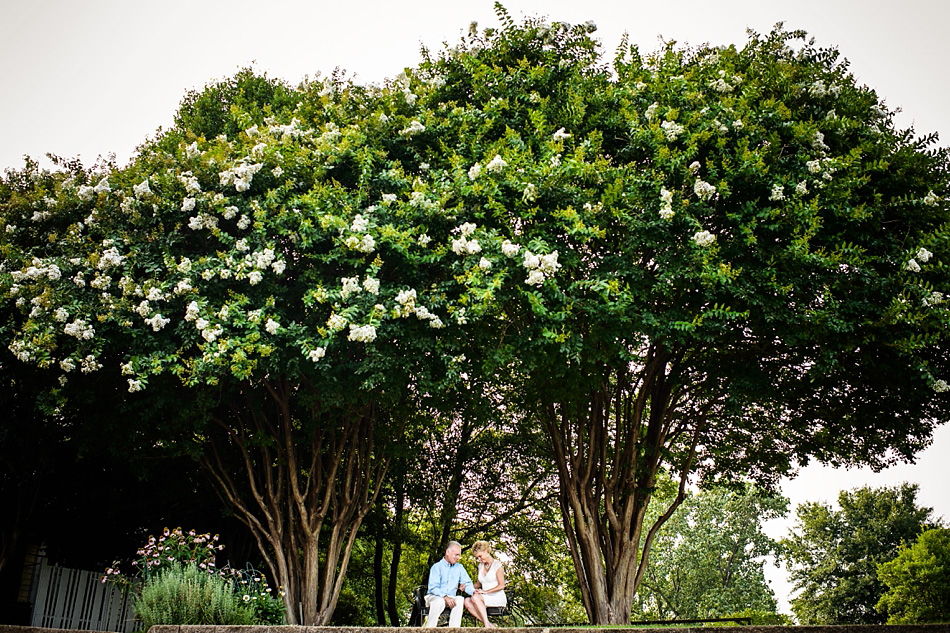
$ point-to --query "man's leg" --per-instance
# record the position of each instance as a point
(436, 607)
(455, 617)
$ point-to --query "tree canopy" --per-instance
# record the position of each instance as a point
(918, 581)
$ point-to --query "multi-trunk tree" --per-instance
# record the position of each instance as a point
(704, 263)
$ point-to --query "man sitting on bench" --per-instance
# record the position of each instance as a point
(446, 577)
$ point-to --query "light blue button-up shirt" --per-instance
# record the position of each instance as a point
(444, 579)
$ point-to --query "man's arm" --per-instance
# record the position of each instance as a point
(464, 578)
(435, 581)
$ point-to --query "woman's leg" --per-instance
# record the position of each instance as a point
(470, 606)
(479, 602)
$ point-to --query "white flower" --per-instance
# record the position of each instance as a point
(460, 317)
(436, 322)
(279, 266)
(556, 160)
(912, 266)
(667, 214)
(188, 204)
(53, 272)
(243, 222)
(389, 198)
(362, 333)
(86, 193)
(474, 171)
(737, 125)
(466, 229)
(143, 309)
(651, 111)
(496, 164)
(241, 245)
(530, 193)
(935, 298)
(704, 238)
(924, 255)
(202, 324)
(229, 212)
(142, 189)
(109, 259)
(367, 244)
(509, 248)
(350, 285)
(371, 285)
(549, 264)
(191, 150)
(406, 297)
(191, 312)
(484, 263)
(80, 329)
(317, 353)
(414, 128)
(89, 364)
(941, 386)
(801, 188)
(272, 326)
(423, 239)
(814, 166)
(255, 277)
(359, 223)
(211, 335)
(535, 278)
(778, 193)
(134, 385)
(158, 322)
(60, 314)
(694, 166)
(67, 365)
(672, 130)
(931, 199)
(703, 189)
(336, 322)
(182, 286)
(561, 135)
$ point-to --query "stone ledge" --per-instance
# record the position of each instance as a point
(893, 628)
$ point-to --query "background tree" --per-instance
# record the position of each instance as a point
(918, 581)
(708, 559)
(832, 555)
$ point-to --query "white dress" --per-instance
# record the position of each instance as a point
(489, 580)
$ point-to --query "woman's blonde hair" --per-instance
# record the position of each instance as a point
(481, 546)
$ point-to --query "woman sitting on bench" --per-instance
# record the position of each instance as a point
(490, 588)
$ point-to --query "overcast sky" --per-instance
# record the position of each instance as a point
(93, 77)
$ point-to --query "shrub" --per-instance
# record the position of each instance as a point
(189, 595)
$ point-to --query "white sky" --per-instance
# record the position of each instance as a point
(92, 77)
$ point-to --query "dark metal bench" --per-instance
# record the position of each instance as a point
(419, 598)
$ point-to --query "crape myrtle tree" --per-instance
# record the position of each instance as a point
(712, 263)
(258, 255)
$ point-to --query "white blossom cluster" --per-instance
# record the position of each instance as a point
(509, 248)
(496, 164)
(940, 386)
(672, 130)
(80, 329)
(923, 255)
(412, 129)
(935, 298)
(462, 245)
(704, 238)
(666, 198)
(240, 175)
(539, 267)
(704, 190)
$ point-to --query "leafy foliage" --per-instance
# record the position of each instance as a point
(709, 557)
(918, 581)
(832, 555)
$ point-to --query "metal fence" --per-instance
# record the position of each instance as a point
(75, 599)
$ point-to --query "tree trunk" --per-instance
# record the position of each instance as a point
(396, 557)
(608, 452)
(303, 494)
